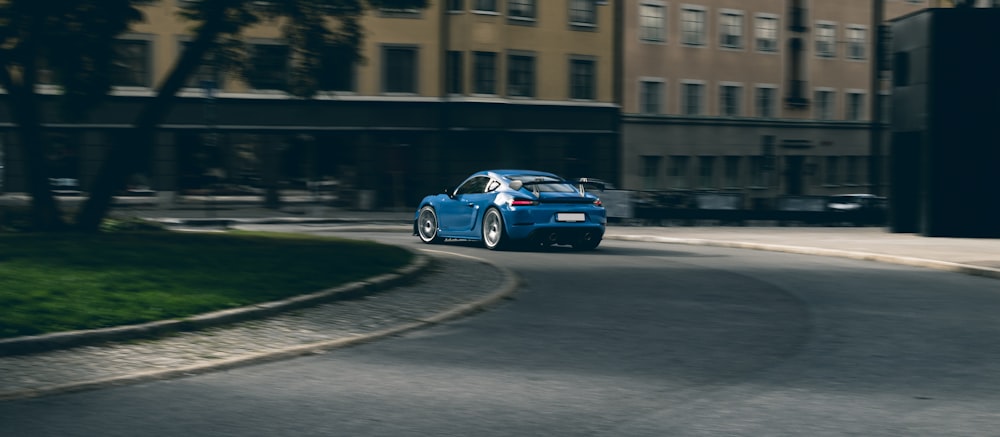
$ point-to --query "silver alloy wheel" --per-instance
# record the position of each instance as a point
(492, 229)
(427, 225)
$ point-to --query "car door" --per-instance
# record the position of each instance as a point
(458, 215)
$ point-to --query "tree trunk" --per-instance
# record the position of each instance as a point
(130, 149)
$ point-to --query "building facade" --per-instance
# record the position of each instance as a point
(757, 98)
(441, 92)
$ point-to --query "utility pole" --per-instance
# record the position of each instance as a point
(875, 161)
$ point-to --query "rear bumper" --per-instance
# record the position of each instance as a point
(558, 234)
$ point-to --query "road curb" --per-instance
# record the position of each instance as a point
(509, 286)
(864, 256)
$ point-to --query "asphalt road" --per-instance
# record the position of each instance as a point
(634, 339)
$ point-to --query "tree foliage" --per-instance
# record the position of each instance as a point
(71, 42)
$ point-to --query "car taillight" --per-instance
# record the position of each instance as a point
(597, 202)
(522, 202)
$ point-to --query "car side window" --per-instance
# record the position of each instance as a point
(493, 185)
(473, 186)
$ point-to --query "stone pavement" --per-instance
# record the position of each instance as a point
(469, 285)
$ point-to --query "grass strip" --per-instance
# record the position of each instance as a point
(63, 281)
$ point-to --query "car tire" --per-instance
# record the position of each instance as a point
(494, 237)
(427, 225)
(587, 243)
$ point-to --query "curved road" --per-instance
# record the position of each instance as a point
(634, 339)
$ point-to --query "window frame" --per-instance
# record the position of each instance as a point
(825, 46)
(857, 48)
(145, 77)
(725, 27)
(758, 30)
(653, 106)
(455, 72)
(590, 85)
(686, 102)
(514, 59)
(660, 30)
(582, 18)
(854, 110)
(700, 29)
(388, 75)
(254, 46)
(484, 77)
(531, 5)
(772, 93)
(736, 104)
(825, 107)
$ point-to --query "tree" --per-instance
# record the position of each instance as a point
(310, 27)
(72, 40)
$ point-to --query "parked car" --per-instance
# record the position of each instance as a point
(505, 207)
(855, 202)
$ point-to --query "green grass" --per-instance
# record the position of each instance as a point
(60, 282)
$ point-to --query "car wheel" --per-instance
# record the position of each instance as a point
(493, 235)
(427, 225)
(588, 242)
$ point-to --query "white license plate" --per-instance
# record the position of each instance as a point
(571, 217)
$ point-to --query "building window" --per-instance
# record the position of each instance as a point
(652, 22)
(731, 29)
(730, 100)
(650, 172)
(855, 106)
(484, 5)
(824, 104)
(765, 102)
(732, 171)
(132, 63)
(456, 5)
(583, 12)
(651, 96)
(521, 9)
(692, 96)
(583, 79)
(706, 171)
(269, 67)
(338, 69)
(826, 39)
(485, 73)
(455, 72)
(857, 38)
(399, 13)
(679, 171)
(521, 75)
(693, 26)
(399, 69)
(766, 33)
(832, 171)
(207, 74)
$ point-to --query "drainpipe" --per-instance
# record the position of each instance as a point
(875, 133)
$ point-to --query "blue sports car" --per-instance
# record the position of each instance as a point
(503, 207)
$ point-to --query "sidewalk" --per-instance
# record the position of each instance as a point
(433, 297)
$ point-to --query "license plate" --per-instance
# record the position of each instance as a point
(571, 217)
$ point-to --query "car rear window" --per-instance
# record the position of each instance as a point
(544, 183)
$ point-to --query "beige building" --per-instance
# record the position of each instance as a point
(756, 98)
(457, 87)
